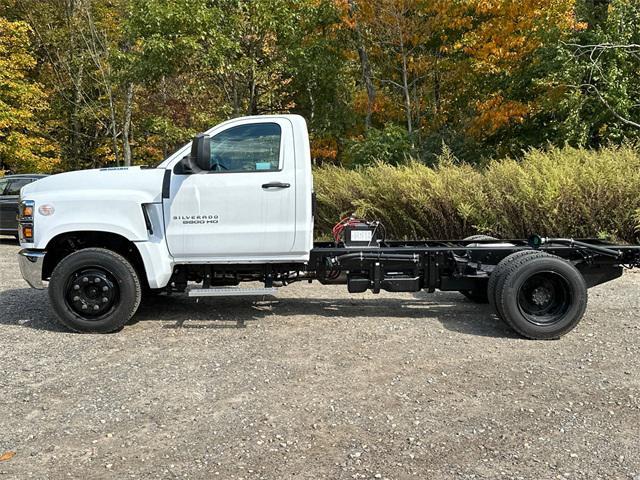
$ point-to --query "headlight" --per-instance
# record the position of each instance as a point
(25, 221)
(26, 210)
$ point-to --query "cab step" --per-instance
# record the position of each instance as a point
(231, 292)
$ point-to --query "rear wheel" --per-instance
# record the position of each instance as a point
(94, 290)
(503, 266)
(479, 294)
(541, 296)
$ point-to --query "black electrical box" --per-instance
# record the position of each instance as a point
(362, 234)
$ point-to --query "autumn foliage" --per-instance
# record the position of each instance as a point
(88, 84)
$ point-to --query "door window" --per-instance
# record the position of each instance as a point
(247, 148)
(3, 185)
(16, 185)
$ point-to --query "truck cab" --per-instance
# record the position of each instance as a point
(238, 194)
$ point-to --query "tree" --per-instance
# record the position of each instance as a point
(23, 144)
(600, 75)
(397, 33)
(502, 53)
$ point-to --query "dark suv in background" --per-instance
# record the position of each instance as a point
(10, 186)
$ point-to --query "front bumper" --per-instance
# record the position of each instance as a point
(31, 262)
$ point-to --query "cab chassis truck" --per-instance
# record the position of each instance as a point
(237, 205)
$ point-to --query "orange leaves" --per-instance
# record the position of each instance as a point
(498, 35)
(324, 148)
(496, 113)
(7, 456)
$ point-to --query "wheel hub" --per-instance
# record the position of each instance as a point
(91, 292)
(541, 296)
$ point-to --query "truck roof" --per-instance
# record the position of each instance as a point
(26, 175)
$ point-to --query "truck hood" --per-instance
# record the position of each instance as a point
(143, 184)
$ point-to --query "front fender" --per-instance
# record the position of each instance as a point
(113, 211)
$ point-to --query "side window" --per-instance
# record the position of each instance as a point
(3, 185)
(16, 185)
(247, 148)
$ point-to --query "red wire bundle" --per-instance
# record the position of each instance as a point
(337, 229)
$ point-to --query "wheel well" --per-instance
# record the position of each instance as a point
(66, 243)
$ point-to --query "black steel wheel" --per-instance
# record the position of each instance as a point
(544, 297)
(94, 290)
(541, 296)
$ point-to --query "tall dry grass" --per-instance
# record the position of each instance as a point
(561, 192)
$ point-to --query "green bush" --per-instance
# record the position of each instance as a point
(562, 192)
(390, 145)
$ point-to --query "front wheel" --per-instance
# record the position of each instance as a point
(94, 290)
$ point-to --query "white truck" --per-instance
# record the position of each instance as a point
(237, 205)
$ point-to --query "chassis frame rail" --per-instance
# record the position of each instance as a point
(458, 264)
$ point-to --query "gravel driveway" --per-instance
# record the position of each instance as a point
(318, 384)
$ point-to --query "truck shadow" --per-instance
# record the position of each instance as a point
(453, 311)
(30, 309)
(5, 240)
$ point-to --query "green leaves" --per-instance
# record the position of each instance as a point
(390, 145)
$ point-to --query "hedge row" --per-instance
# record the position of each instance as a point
(560, 192)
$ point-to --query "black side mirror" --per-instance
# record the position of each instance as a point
(201, 151)
(200, 157)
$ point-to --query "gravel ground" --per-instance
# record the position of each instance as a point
(318, 384)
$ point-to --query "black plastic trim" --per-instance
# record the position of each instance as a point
(166, 184)
(147, 220)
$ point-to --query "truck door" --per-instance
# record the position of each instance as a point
(244, 206)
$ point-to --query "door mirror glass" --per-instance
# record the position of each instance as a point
(200, 158)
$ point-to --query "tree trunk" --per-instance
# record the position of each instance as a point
(407, 96)
(312, 104)
(252, 108)
(165, 147)
(365, 66)
(126, 126)
(114, 127)
(436, 87)
(75, 117)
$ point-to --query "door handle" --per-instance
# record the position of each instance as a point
(276, 185)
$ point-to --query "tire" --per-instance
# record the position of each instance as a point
(480, 237)
(94, 290)
(541, 296)
(498, 272)
(477, 295)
